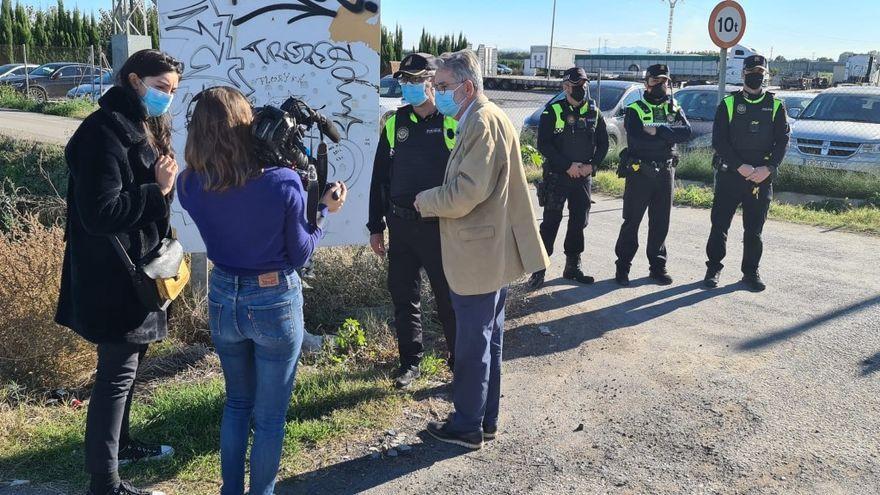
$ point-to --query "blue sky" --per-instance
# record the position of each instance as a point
(793, 28)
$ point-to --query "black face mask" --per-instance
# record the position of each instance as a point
(657, 93)
(578, 93)
(754, 81)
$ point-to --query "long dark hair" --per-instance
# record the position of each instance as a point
(151, 63)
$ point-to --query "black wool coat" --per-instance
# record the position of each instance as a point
(112, 190)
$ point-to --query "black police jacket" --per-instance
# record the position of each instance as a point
(411, 158)
(661, 146)
(575, 134)
(751, 131)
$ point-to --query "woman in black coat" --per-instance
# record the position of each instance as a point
(122, 170)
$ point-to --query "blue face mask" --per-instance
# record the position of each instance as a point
(445, 101)
(414, 93)
(156, 102)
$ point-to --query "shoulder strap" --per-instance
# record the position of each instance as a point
(123, 255)
(557, 109)
(643, 110)
(390, 130)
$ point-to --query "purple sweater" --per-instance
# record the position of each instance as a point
(257, 228)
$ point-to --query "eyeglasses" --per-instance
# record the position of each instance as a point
(444, 86)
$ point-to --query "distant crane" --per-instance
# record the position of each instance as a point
(671, 13)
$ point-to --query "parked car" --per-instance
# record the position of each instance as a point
(53, 80)
(94, 89)
(839, 129)
(613, 99)
(503, 69)
(12, 70)
(699, 104)
(795, 102)
(390, 97)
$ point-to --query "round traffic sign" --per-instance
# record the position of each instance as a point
(727, 24)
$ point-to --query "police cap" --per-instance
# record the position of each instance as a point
(658, 70)
(754, 61)
(417, 65)
(575, 75)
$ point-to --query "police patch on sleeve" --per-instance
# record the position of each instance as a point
(402, 134)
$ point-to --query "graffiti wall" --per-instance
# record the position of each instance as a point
(325, 52)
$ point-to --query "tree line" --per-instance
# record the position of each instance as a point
(59, 27)
(392, 45)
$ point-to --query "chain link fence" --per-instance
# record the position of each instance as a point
(55, 73)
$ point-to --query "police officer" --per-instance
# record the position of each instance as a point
(653, 126)
(414, 146)
(750, 136)
(573, 138)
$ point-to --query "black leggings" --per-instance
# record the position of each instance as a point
(110, 405)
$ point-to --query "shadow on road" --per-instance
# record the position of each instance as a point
(794, 331)
(363, 473)
(573, 330)
(871, 365)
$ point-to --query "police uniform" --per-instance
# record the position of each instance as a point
(567, 134)
(411, 157)
(750, 130)
(649, 167)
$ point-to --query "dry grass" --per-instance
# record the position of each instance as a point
(35, 350)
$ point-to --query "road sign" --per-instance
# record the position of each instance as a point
(727, 24)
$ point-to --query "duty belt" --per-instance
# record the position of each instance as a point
(408, 214)
(661, 164)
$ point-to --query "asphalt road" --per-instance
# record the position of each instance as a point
(37, 127)
(675, 389)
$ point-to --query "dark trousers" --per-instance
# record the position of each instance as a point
(578, 198)
(107, 421)
(731, 191)
(413, 245)
(654, 194)
(476, 384)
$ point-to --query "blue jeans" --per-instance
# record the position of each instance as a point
(476, 383)
(257, 332)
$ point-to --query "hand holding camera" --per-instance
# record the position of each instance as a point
(334, 196)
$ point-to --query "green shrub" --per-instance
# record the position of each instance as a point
(350, 338)
(39, 169)
(78, 108)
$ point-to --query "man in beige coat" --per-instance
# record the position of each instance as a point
(488, 237)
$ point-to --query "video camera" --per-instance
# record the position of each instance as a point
(279, 133)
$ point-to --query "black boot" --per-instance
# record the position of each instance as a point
(573, 270)
(754, 282)
(712, 277)
(622, 277)
(661, 276)
(536, 281)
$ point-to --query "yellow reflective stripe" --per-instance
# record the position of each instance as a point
(449, 123)
(643, 115)
(728, 102)
(585, 108)
(412, 116)
(560, 123)
(759, 100)
(776, 105)
(389, 130)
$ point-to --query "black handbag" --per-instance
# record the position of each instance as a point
(159, 279)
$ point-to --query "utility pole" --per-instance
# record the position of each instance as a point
(550, 48)
(671, 13)
(129, 30)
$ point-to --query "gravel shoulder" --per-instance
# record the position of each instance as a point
(675, 389)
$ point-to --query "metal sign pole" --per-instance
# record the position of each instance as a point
(722, 75)
(27, 71)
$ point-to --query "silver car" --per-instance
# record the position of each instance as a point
(839, 129)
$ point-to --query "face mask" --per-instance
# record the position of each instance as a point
(445, 101)
(578, 93)
(754, 81)
(414, 93)
(156, 102)
(658, 92)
